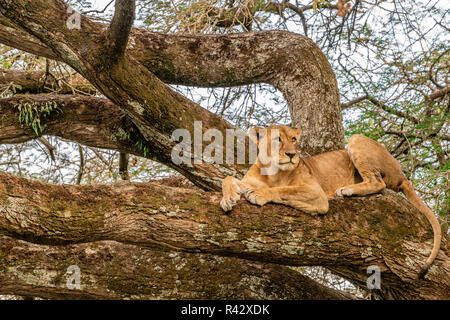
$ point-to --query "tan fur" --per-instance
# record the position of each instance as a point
(366, 167)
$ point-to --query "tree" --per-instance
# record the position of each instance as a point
(117, 223)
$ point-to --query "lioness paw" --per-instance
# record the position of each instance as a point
(231, 193)
(341, 192)
(256, 197)
(226, 204)
(229, 201)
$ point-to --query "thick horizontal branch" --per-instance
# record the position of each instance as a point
(93, 122)
(356, 233)
(16, 38)
(88, 120)
(112, 270)
(33, 82)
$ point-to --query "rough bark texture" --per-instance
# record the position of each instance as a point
(378, 230)
(111, 270)
(39, 82)
(292, 63)
(382, 230)
(91, 121)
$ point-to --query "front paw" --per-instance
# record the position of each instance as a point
(228, 202)
(231, 193)
(258, 197)
(344, 192)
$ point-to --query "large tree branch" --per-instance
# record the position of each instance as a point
(292, 63)
(155, 109)
(32, 81)
(119, 29)
(14, 37)
(112, 270)
(355, 234)
(93, 122)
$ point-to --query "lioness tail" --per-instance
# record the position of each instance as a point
(409, 192)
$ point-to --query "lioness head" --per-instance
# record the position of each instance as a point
(277, 145)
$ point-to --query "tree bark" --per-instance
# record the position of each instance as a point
(382, 230)
(94, 122)
(112, 270)
(34, 82)
(290, 62)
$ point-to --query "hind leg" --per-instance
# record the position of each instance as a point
(368, 186)
(364, 153)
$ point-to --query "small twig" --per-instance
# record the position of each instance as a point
(97, 11)
(81, 170)
(8, 163)
(123, 166)
(99, 155)
(51, 149)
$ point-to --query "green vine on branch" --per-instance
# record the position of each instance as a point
(30, 114)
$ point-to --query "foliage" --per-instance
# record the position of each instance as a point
(30, 114)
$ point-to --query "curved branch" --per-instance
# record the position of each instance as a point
(290, 62)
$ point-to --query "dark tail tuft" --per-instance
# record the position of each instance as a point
(423, 272)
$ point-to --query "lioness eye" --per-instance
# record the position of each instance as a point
(294, 139)
(279, 139)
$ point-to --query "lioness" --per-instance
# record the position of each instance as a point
(366, 167)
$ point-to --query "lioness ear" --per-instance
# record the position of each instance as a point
(297, 132)
(255, 134)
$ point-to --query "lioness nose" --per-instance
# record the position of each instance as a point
(290, 155)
